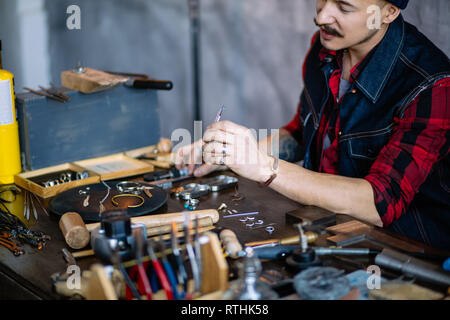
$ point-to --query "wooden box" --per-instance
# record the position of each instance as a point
(103, 168)
(88, 126)
(27, 180)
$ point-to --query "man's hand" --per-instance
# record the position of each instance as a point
(191, 156)
(226, 143)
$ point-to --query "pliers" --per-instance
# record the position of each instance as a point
(191, 254)
(140, 269)
(159, 270)
(181, 270)
(169, 270)
(12, 246)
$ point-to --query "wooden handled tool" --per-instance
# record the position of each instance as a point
(77, 234)
(231, 243)
(74, 230)
(160, 220)
(310, 236)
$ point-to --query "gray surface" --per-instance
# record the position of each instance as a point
(252, 50)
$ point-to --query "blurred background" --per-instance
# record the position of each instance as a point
(251, 51)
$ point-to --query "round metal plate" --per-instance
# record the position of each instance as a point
(72, 201)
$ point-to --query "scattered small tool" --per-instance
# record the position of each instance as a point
(144, 283)
(169, 271)
(5, 240)
(142, 81)
(191, 253)
(181, 271)
(57, 93)
(45, 94)
(159, 270)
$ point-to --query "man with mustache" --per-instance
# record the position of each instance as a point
(372, 126)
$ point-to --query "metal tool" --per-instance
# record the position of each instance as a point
(241, 215)
(219, 113)
(169, 271)
(142, 81)
(159, 270)
(194, 191)
(412, 267)
(69, 257)
(221, 182)
(322, 283)
(264, 226)
(197, 246)
(144, 283)
(191, 254)
(45, 94)
(173, 173)
(11, 245)
(56, 93)
(181, 270)
(116, 260)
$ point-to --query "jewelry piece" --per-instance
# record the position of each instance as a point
(274, 173)
(82, 175)
(251, 218)
(86, 201)
(129, 187)
(243, 219)
(122, 195)
(270, 229)
(83, 192)
(259, 222)
(191, 204)
(251, 224)
(101, 206)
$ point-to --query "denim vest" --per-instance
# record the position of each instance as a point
(404, 64)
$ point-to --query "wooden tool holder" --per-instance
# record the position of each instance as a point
(102, 168)
(214, 277)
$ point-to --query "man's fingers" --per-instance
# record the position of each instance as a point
(218, 148)
(204, 169)
(228, 126)
(218, 136)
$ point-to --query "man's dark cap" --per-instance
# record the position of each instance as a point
(399, 3)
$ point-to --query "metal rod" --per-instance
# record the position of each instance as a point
(241, 214)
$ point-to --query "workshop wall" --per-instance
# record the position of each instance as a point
(252, 50)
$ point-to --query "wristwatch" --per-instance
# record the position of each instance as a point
(274, 173)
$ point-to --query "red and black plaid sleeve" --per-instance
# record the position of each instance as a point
(420, 139)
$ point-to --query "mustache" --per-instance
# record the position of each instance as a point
(328, 29)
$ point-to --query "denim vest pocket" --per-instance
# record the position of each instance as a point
(364, 148)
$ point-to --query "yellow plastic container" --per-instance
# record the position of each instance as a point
(9, 131)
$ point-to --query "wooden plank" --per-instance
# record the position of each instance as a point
(214, 265)
(99, 285)
(116, 166)
(90, 80)
(355, 231)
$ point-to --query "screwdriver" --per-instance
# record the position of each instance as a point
(310, 236)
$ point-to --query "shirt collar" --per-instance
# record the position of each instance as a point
(371, 74)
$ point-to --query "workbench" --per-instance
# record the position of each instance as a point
(28, 276)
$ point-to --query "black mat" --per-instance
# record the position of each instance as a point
(72, 201)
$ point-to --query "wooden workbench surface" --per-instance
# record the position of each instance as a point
(28, 276)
